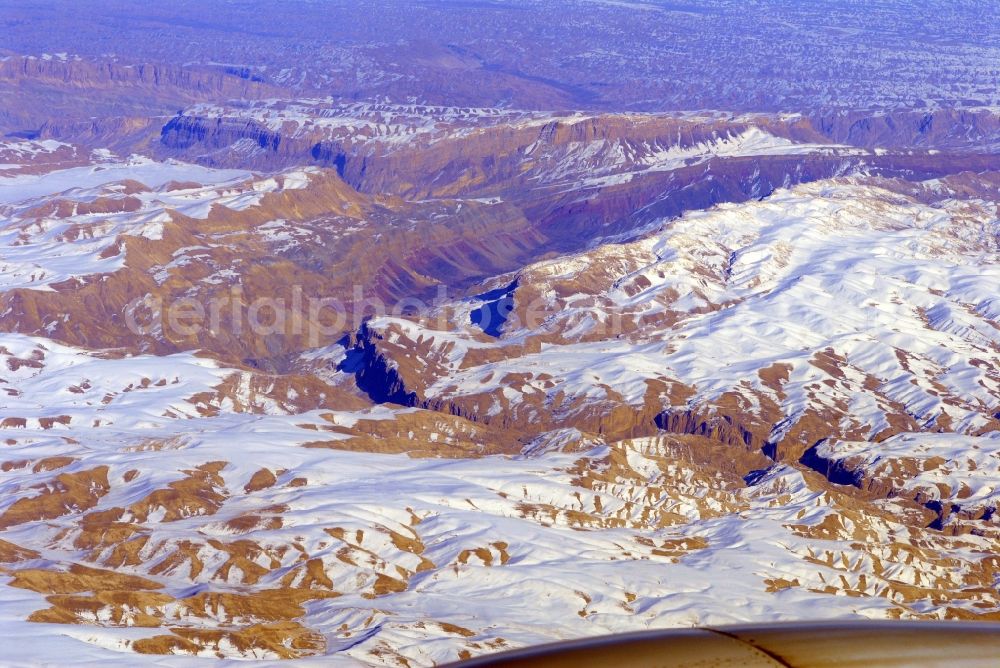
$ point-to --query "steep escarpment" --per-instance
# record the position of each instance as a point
(973, 129)
(56, 97)
(573, 175)
(81, 73)
(375, 373)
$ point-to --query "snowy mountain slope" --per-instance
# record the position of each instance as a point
(688, 369)
(64, 224)
(120, 244)
(958, 473)
(116, 230)
(311, 543)
(841, 301)
(287, 550)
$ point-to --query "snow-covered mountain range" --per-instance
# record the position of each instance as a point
(345, 374)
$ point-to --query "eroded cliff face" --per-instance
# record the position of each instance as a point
(491, 146)
(69, 97)
(974, 129)
(577, 176)
(441, 140)
(90, 73)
